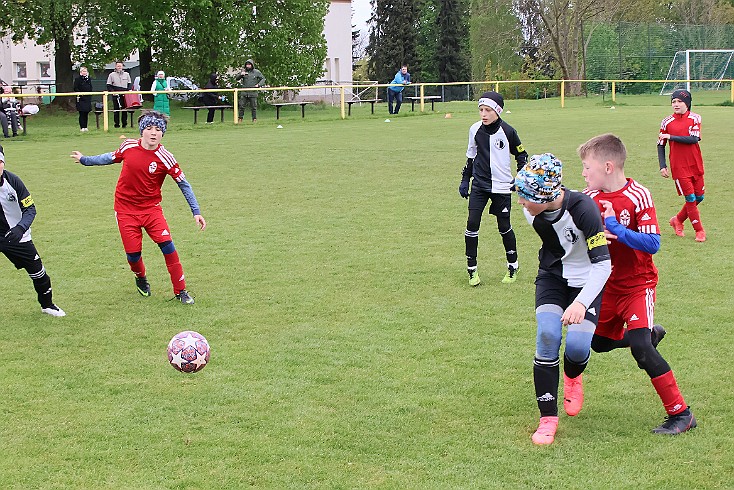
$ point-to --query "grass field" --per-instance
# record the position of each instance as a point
(348, 350)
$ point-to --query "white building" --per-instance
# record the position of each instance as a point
(31, 65)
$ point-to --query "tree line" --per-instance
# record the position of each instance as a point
(459, 40)
(192, 38)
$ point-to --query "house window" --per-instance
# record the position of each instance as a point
(44, 67)
(20, 70)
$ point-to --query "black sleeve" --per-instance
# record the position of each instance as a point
(686, 140)
(661, 156)
(468, 170)
(516, 148)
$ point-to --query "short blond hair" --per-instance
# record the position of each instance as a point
(604, 147)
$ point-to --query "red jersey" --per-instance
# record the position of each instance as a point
(632, 269)
(142, 175)
(685, 160)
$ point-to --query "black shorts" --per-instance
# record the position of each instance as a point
(23, 255)
(553, 290)
(500, 203)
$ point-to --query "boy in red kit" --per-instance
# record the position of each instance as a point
(683, 132)
(145, 164)
(631, 226)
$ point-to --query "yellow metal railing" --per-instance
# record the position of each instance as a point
(343, 90)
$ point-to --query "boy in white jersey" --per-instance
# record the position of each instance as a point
(574, 266)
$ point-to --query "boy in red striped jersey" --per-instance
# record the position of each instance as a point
(145, 165)
(631, 226)
(682, 131)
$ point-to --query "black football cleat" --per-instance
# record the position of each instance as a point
(143, 286)
(657, 334)
(676, 424)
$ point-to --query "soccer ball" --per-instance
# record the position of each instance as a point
(188, 352)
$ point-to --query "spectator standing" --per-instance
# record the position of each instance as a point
(83, 102)
(210, 98)
(17, 212)
(250, 77)
(119, 81)
(395, 93)
(160, 100)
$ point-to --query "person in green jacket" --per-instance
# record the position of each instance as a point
(250, 77)
(161, 99)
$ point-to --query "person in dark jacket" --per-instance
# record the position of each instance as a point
(210, 98)
(83, 102)
(250, 77)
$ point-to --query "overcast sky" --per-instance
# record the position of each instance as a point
(362, 11)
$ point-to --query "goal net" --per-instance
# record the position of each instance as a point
(699, 69)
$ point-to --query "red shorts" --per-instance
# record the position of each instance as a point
(131, 228)
(690, 185)
(634, 309)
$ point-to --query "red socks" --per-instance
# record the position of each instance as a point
(690, 211)
(667, 388)
(175, 270)
(137, 267)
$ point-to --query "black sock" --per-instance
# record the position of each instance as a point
(545, 376)
(573, 369)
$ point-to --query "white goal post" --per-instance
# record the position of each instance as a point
(704, 69)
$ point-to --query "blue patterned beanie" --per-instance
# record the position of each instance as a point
(539, 180)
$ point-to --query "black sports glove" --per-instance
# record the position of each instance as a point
(464, 189)
(14, 235)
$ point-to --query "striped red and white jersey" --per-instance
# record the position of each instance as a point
(142, 176)
(685, 159)
(632, 269)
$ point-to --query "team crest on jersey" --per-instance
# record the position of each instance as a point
(624, 217)
(152, 167)
(11, 197)
(499, 144)
(570, 235)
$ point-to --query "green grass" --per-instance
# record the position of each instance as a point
(348, 350)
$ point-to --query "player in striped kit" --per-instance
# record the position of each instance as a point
(682, 131)
(145, 165)
(492, 144)
(17, 212)
(574, 265)
(631, 226)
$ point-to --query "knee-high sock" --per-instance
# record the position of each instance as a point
(138, 266)
(42, 285)
(545, 376)
(693, 214)
(175, 270)
(670, 395)
(510, 243)
(471, 240)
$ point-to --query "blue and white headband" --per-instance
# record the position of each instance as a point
(152, 119)
(490, 103)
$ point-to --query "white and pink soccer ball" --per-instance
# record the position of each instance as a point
(188, 352)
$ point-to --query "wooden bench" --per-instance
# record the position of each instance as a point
(220, 107)
(23, 122)
(131, 111)
(426, 98)
(357, 101)
(302, 103)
